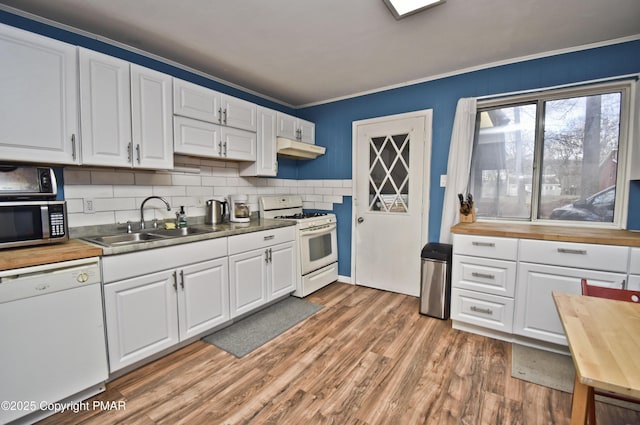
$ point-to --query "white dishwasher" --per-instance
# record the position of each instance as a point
(52, 336)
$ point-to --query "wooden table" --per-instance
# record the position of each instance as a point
(604, 339)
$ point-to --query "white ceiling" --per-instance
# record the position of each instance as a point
(302, 51)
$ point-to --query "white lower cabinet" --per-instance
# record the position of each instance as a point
(149, 313)
(257, 276)
(506, 284)
(483, 281)
(536, 316)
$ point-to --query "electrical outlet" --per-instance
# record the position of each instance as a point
(443, 180)
(89, 206)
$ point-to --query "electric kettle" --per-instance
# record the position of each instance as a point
(238, 209)
(215, 211)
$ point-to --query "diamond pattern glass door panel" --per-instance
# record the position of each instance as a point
(389, 173)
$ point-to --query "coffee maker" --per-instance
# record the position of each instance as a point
(238, 209)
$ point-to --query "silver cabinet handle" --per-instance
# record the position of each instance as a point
(225, 148)
(624, 284)
(572, 251)
(269, 238)
(224, 113)
(175, 280)
(138, 153)
(483, 275)
(489, 244)
(220, 148)
(182, 279)
(266, 256)
(73, 147)
(481, 310)
(270, 255)
(129, 152)
(220, 115)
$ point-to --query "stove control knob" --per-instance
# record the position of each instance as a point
(360, 219)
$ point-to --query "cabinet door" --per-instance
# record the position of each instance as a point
(307, 131)
(193, 137)
(151, 118)
(105, 109)
(535, 312)
(238, 144)
(194, 101)
(39, 101)
(287, 126)
(266, 160)
(248, 281)
(239, 113)
(141, 317)
(282, 269)
(203, 297)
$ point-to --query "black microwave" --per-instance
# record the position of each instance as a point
(25, 223)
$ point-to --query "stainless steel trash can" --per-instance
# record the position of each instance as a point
(435, 280)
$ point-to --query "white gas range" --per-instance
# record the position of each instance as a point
(316, 237)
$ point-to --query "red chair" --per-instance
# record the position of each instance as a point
(614, 294)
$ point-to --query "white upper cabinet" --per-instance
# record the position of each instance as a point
(194, 101)
(238, 113)
(199, 138)
(39, 101)
(151, 117)
(126, 114)
(201, 103)
(105, 109)
(294, 128)
(266, 163)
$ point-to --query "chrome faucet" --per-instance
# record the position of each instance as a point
(142, 208)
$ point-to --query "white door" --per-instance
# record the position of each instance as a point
(391, 193)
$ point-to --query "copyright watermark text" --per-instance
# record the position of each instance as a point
(83, 406)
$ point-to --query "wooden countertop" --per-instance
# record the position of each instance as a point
(550, 233)
(73, 249)
(604, 341)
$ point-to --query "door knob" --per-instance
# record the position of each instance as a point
(360, 219)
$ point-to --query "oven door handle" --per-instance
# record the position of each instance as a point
(316, 230)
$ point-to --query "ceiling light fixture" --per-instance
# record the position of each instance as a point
(402, 8)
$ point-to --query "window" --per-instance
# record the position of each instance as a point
(553, 156)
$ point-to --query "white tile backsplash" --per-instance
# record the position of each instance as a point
(117, 194)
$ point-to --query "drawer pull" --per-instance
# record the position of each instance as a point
(483, 275)
(481, 310)
(270, 237)
(489, 244)
(572, 251)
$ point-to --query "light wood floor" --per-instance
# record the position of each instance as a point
(367, 357)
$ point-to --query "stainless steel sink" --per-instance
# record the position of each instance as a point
(146, 236)
(184, 231)
(125, 238)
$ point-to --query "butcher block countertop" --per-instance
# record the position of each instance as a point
(550, 233)
(73, 249)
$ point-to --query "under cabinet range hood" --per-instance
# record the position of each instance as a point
(298, 150)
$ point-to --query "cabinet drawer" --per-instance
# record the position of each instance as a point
(634, 262)
(497, 277)
(262, 239)
(579, 255)
(488, 311)
(486, 246)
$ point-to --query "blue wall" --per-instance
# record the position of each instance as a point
(334, 120)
